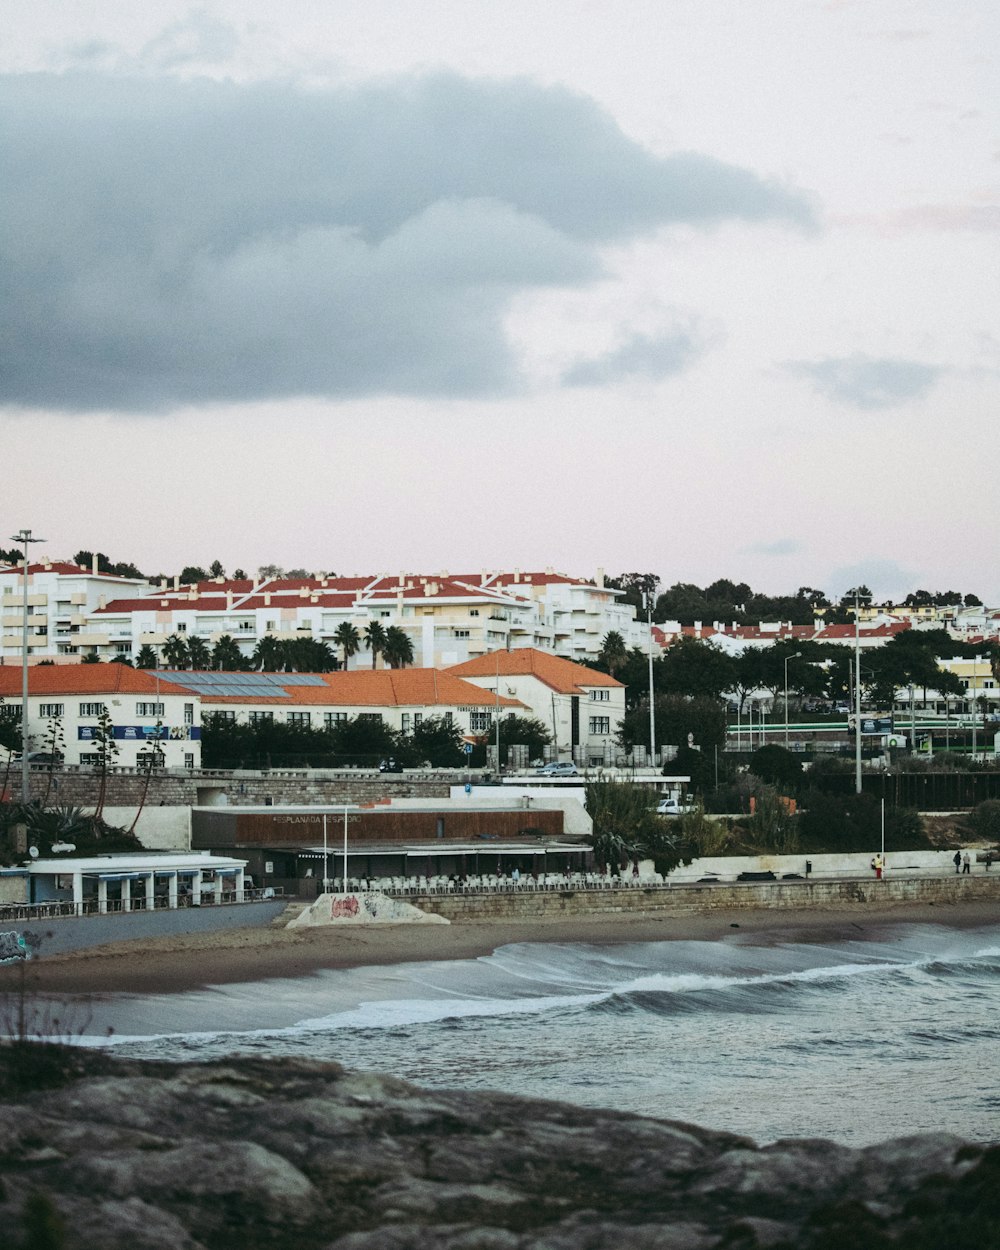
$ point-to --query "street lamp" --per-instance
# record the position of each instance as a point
(794, 656)
(24, 538)
(648, 596)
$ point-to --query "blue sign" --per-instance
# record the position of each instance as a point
(142, 733)
(468, 748)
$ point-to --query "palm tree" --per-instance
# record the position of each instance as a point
(613, 653)
(227, 655)
(175, 652)
(268, 655)
(398, 649)
(347, 636)
(199, 656)
(375, 640)
(145, 656)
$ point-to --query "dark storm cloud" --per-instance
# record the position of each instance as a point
(865, 382)
(166, 242)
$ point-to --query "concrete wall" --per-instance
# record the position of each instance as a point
(158, 828)
(770, 895)
(58, 935)
(858, 864)
(576, 822)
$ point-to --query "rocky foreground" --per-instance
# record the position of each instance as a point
(278, 1154)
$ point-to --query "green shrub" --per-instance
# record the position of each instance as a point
(983, 822)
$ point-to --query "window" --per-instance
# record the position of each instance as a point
(385, 614)
(600, 724)
(246, 626)
(260, 718)
(92, 709)
(600, 696)
(50, 709)
(369, 716)
(333, 718)
(301, 719)
(182, 628)
(228, 715)
(149, 709)
(124, 648)
(480, 722)
(473, 611)
(405, 722)
(189, 759)
(417, 718)
(10, 711)
(90, 759)
(462, 633)
(448, 718)
(188, 713)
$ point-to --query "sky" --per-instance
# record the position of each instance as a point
(699, 287)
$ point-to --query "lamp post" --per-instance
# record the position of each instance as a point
(857, 693)
(794, 656)
(648, 596)
(24, 538)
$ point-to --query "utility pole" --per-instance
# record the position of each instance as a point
(857, 693)
(648, 596)
(23, 538)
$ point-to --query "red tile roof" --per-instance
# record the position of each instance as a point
(83, 679)
(554, 671)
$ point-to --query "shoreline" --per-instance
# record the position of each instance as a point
(190, 962)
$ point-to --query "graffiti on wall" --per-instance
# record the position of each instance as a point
(342, 908)
(13, 947)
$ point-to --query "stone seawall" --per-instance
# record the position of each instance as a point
(773, 895)
(79, 788)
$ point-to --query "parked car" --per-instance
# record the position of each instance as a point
(557, 769)
(674, 807)
(39, 757)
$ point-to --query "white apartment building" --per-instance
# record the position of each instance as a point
(146, 712)
(581, 708)
(61, 597)
(448, 619)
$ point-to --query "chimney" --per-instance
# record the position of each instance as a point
(697, 633)
(102, 601)
(229, 601)
(93, 564)
(600, 577)
(177, 581)
(163, 583)
(517, 576)
(267, 599)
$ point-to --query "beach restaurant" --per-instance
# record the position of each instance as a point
(126, 882)
(297, 847)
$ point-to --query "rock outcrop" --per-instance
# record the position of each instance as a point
(117, 1155)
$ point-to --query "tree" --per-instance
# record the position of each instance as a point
(772, 763)
(107, 753)
(347, 637)
(146, 657)
(398, 648)
(175, 652)
(364, 740)
(192, 573)
(53, 744)
(439, 741)
(375, 639)
(697, 668)
(613, 653)
(627, 828)
(514, 731)
(677, 716)
(123, 569)
(308, 655)
(268, 571)
(121, 658)
(239, 575)
(215, 569)
(199, 656)
(268, 654)
(91, 658)
(635, 586)
(227, 656)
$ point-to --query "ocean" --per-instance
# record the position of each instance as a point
(856, 1041)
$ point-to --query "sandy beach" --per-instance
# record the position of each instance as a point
(181, 964)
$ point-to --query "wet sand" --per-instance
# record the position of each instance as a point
(181, 964)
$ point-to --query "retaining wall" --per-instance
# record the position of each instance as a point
(678, 899)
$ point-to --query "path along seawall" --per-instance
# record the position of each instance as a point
(677, 899)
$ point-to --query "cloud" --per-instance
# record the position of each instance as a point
(884, 578)
(643, 355)
(780, 547)
(168, 242)
(867, 382)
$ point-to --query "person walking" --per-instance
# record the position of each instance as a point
(957, 861)
(878, 863)
(966, 863)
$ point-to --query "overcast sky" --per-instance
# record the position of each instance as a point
(702, 287)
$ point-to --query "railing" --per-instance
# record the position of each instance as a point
(92, 907)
